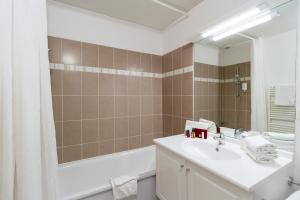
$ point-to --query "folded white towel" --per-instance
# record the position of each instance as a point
(281, 136)
(210, 124)
(267, 157)
(124, 187)
(259, 144)
(285, 95)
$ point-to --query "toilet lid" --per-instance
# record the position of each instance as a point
(294, 196)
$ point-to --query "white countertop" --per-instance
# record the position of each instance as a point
(244, 172)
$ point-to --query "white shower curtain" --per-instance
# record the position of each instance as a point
(28, 161)
(258, 90)
(297, 128)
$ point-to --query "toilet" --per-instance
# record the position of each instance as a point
(294, 196)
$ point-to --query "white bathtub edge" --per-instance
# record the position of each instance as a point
(78, 162)
(107, 187)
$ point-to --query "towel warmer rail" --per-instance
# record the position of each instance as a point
(280, 118)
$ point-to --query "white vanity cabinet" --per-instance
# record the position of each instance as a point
(178, 179)
(192, 169)
(171, 178)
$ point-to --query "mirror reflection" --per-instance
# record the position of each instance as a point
(222, 83)
(246, 81)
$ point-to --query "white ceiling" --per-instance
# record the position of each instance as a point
(143, 12)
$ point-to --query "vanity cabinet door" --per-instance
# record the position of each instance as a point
(170, 176)
(202, 188)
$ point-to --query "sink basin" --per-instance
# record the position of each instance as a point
(207, 150)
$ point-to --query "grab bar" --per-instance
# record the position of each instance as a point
(292, 182)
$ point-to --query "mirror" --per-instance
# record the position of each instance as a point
(222, 82)
(236, 79)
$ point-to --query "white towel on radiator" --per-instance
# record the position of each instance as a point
(124, 188)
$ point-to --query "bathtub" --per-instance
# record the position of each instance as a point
(88, 179)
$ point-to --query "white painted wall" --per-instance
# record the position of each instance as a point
(238, 53)
(206, 54)
(78, 24)
(204, 15)
(212, 55)
(279, 55)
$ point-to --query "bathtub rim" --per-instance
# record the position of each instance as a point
(106, 187)
(93, 159)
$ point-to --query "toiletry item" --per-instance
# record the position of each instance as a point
(218, 129)
(200, 133)
(187, 133)
(193, 133)
(205, 134)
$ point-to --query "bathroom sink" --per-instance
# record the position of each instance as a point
(208, 150)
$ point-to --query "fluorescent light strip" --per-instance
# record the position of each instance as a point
(232, 21)
(243, 27)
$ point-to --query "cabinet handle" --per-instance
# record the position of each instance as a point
(188, 169)
(181, 166)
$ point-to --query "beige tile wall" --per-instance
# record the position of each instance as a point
(177, 90)
(207, 93)
(98, 114)
(217, 101)
(236, 111)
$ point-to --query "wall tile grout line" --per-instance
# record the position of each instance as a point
(81, 103)
(98, 114)
(114, 110)
(62, 92)
(127, 106)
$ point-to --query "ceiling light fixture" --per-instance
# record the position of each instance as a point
(231, 22)
(244, 26)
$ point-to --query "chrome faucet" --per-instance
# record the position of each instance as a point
(220, 139)
(238, 132)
